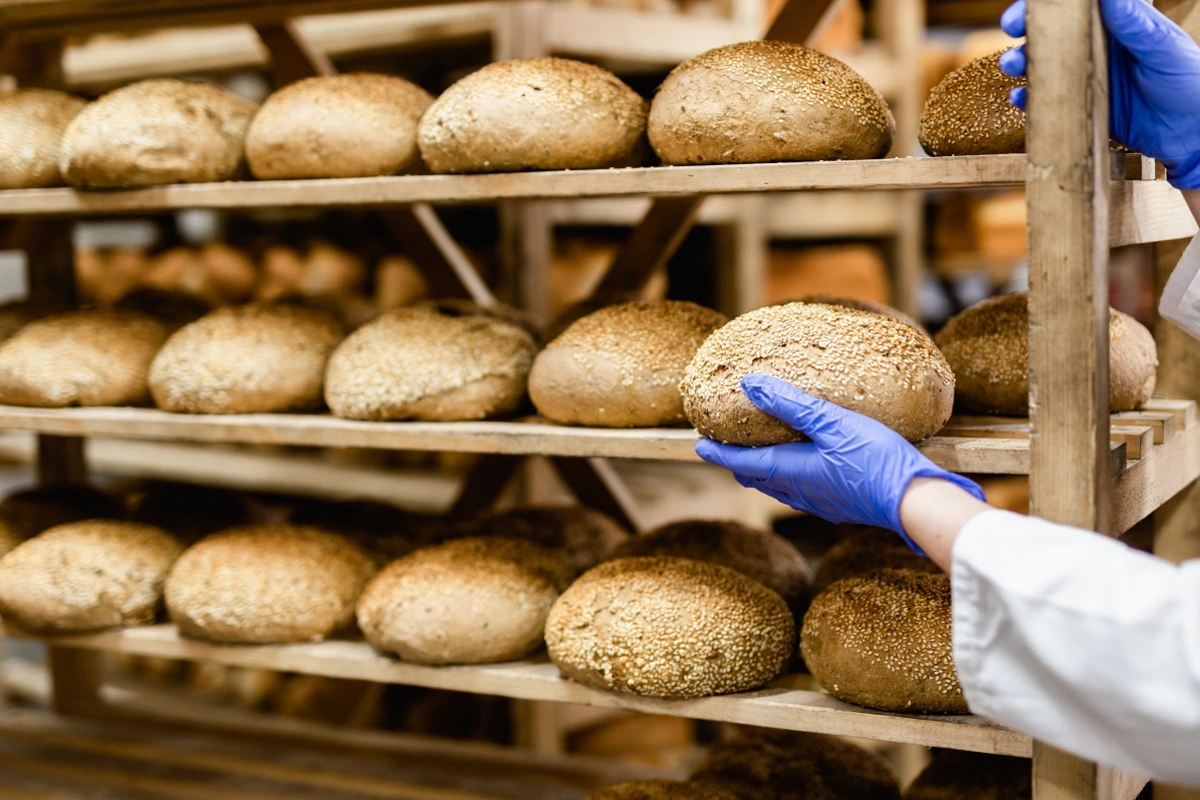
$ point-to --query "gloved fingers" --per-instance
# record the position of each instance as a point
(819, 419)
(1012, 21)
(751, 462)
(1013, 62)
(751, 483)
(1137, 26)
(1019, 97)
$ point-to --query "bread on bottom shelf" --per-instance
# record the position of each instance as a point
(862, 550)
(900, 613)
(663, 790)
(468, 601)
(669, 627)
(582, 535)
(32, 123)
(265, 584)
(959, 775)
(86, 576)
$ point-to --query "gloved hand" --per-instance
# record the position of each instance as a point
(1154, 77)
(854, 470)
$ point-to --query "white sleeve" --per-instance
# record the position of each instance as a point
(1081, 642)
(1180, 301)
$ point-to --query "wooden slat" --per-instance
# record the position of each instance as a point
(895, 173)
(1158, 477)
(292, 57)
(1147, 211)
(1184, 410)
(781, 705)
(651, 246)
(1161, 422)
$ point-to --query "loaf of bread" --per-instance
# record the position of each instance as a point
(987, 346)
(86, 576)
(581, 535)
(863, 550)
(533, 114)
(620, 367)
(437, 362)
(723, 631)
(337, 126)
(246, 359)
(866, 362)
(767, 101)
(863, 305)
(32, 122)
(264, 584)
(80, 358)
(468, 601)
(969, 114)
(960, 775)
(154, 132)
(899, 612)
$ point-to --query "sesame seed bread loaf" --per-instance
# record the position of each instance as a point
(620, 366)
(769, 559)
(264, 584)
(723, 631)
(968, 113)
(866, 362)
(581, 535)
(533, 114)
(246, 359)
(767, 101)
(900, 613)
(80, 358)
(32, 122)
(86, 576)
(864, 549)
(337, 126)
(960, 775)
(436, 362)
(155, 132)
(862, 305)
(467, 601)
(987, 346)
(662, 790)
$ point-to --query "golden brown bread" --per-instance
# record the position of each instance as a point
(32, 123)
(968, 113)
(862, 550)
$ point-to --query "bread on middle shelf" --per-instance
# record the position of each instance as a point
(32, 123)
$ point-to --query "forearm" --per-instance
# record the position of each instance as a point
(934, 512)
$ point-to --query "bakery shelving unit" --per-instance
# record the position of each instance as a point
(1085, 468)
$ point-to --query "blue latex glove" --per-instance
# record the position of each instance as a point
(1154, 77)
(854, 470)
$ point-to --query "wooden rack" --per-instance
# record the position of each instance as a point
(1081, 201)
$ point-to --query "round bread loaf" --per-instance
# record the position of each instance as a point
(968, 113)
(662, 790)
(337, 126)
(85, 576)
(246, 359)
(81, 358)
(32, 122)
(670, 627)
(536, 113)
(788, 765)
(759, 554)
(864, 549)
(987, 346)
(767, 101)
(263, 584)
(959, 775)
(155, 132)
(863, 305)
(468, 601)
(620, 367)
(898, 612)
(187, 511)
(862, 361)
(437, 362)
(581, 535)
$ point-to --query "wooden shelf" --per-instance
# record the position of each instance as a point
(784, 704)
(890, 173)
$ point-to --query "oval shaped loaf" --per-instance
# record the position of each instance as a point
(80, 358)
(866, 362)
(263, 584)
(960, 775)
(581, 535)
(86, 576)
(863, 305)
(532, 114)
(246, 359)
(767, 101)
(662, 790)
(337, 126)
(987, 346)
(968, 113)
(32, 123)
(468, 601)
(864, 549)
(620, 367)
(430, 362)
(669, 627)
(155, 132)
(903, 614)
(767, 558)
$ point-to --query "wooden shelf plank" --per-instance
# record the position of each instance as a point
(781, 705)
(890, 173)
(1147, 211)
